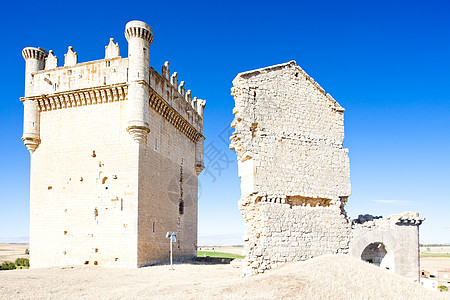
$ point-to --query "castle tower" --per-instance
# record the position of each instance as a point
(117, 151)
(139, 36)
(34, 61)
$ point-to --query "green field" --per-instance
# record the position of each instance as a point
(434, 255)
(218, 254)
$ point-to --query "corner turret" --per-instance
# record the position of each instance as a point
(139, 36)
(34, 62)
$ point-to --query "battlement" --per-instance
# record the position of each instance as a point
(107, 80)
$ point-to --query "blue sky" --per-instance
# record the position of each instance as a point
(386, 62)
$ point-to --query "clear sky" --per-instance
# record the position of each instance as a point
(386, 62)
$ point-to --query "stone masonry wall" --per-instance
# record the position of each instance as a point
(398, 234)
(295, 176)
(292, 132)
(278, 233)
(84, 189)
(166, 175)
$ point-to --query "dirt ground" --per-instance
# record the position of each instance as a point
(9, 252)
(325, 277)
(434, 264)
(229, 249)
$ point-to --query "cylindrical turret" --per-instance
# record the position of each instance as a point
(139, 36)
(34, 62)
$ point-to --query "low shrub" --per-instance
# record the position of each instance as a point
(22, 262)
(442, 288)
(7, 265)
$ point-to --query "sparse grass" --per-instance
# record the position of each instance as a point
(218, 254)
(434, 255)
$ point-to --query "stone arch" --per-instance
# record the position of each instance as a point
(374, 253)
(378, 247)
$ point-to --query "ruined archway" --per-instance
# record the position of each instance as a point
(374, 253)
(377, 253)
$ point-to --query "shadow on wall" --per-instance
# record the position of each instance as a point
(376, 253)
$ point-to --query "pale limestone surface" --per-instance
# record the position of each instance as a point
(295, 178)
(115, 155)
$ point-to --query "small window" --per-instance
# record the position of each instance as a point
(181, 207)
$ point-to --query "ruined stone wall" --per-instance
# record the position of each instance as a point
(295, 179)
(288, 135)
(294, 172)
(278, 233)
(398, 234)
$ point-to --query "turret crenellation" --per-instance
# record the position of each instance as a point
(165, 71)
(188, 96)
(138, 29)
(181, 89)
(34, 53)
(112, 50)
(174, 79)
(70, 58)
(51, 62)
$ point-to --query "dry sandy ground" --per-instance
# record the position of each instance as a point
(9, 252)
(325, 277)
(436, 250)
(230, 249)
(434, 264)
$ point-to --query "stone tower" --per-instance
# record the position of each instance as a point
(116, 149)
(295, 178)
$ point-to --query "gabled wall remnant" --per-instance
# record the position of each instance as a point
(295, 174)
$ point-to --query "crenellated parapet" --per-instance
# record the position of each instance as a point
(34, 53)
(52, 87)
(174, 96)
(138, 29)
